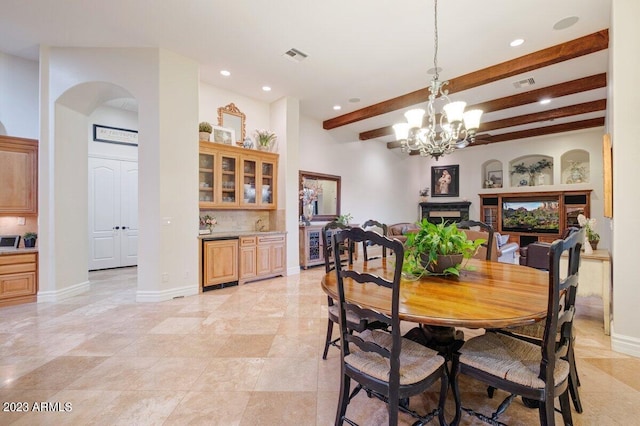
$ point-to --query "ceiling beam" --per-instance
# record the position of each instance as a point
(542, 58)
(563, 89)
(540, 131)
(552, 114)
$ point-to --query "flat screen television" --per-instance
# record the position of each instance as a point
(536, 216)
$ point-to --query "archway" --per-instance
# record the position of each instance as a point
(75, 112)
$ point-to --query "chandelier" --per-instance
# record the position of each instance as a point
(453, 129)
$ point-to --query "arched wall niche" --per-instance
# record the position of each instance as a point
(575, 166)
(533, 173)
(492, 174)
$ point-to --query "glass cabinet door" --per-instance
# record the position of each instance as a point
(249, 181)
(228, 180)
(267, 179)
(206, 178)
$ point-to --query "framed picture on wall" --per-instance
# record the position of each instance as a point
(223, 135)
(115, 135)
(445, 181)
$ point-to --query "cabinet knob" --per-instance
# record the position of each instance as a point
(116, 227)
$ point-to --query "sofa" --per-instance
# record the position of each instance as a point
(399, 231)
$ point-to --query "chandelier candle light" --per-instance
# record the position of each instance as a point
(455, 128)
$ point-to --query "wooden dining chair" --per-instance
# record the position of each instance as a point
(385, 364)
(354, 322)
(535, 332)
(370, 225)
(534, 370)
(488, 250)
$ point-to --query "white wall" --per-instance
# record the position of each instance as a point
(212, 98)
(166, 88)
(18, 97)
(624, 127)
(377, 183)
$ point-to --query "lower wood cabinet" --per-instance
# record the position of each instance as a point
(311, 250)
(18, 278)
(248, 262)
(220, 262)
(262, 256)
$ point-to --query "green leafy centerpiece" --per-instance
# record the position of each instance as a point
(437, 249)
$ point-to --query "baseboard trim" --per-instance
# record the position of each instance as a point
(625, 344)
(294, 270)
(64, 293)
(163, 295)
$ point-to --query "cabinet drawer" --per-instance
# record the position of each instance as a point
(17, 268)
(270, 239)
(17, 258)
(247, 241)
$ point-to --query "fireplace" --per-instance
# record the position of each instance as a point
(455, 211)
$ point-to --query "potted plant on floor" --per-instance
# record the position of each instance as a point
(30, 239)
(437, 249)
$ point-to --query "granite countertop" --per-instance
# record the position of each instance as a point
(5, 252)
(237, 234)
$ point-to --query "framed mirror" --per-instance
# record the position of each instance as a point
(231, 117)
(326, 206)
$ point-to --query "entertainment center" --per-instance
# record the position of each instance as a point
(534, 216)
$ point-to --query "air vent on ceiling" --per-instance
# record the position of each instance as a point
(295, 55)
(524, 83)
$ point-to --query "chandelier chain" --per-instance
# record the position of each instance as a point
(435, 39)
(455, 128)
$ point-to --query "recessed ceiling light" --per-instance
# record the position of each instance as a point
(225, 73)
(565, 23)
(545, 101)
(337, 107)
(266, 88)
(516, 42)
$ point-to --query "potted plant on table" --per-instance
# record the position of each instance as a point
(532, 169)
(265, 139)
(30, 239)
(344, 219)
(205, 131)
(437, 249)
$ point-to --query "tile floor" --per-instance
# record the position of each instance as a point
(248, 355)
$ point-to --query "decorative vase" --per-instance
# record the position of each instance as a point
(308, 212)
(30, 242)
(204, 136)
(594, 244)
(264, 146)
(587, 247)
(442, 262)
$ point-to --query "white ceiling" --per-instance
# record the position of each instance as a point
(373, 50)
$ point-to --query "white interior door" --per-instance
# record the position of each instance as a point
(113, 213)
(128, 213)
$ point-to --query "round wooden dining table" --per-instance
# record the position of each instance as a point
(485, 295)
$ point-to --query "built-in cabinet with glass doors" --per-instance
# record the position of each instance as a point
(239, 178)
